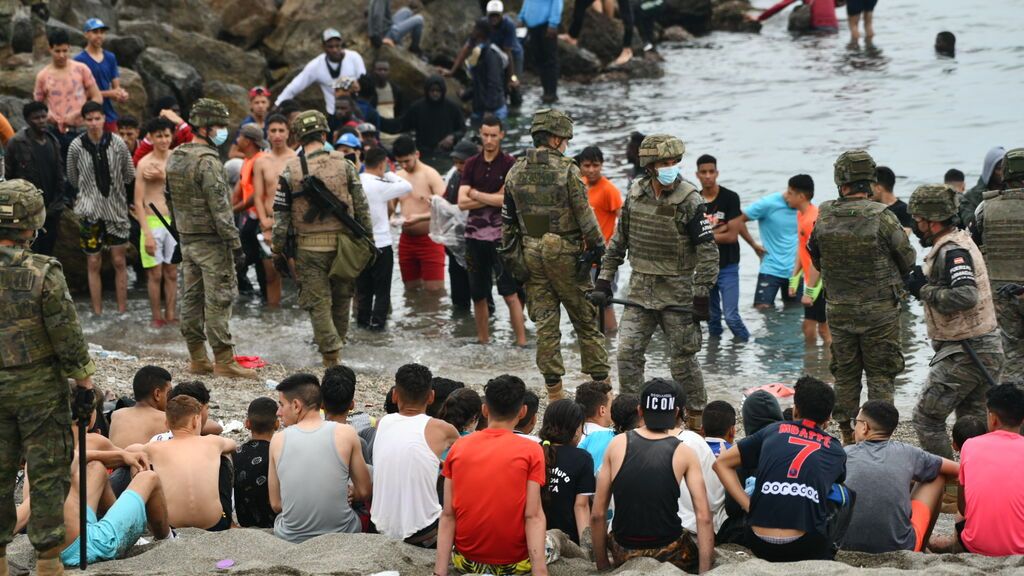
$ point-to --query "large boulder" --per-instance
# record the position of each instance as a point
(125, 48)
(446, 27)
(235, 97)
(410, 73)
(19, 82)
(192, 15)
(300, 23)
(76, 12)
(601, 35)
(138, 100)
(694, 15)
(10, 107)
(576, 61)
(165, 74)
(215, 60)
(75, 34)
(245, 22)
(732, 16)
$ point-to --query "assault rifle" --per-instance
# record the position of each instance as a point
(587, 261)
(323, 203)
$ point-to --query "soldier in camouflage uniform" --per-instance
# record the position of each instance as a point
(41, 346)
(198, 196)
(546, 208)
(999, 230)
(863, 255)
(327, 299)
(954, 287)
(674, 259)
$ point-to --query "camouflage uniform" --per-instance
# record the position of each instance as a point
(546, 206)
(41, 345)
(674, 262)
(328, 300)
(1001, 236)
(198, 195)
(862, 253)
(958, 310)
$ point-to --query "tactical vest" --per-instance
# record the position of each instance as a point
(23, 336)
(189, 201)
(1003, 235)
(964, 324)
(330, 167)
(540, 189)
(855, 267)
(658, 243)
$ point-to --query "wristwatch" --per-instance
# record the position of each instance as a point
(514, 78)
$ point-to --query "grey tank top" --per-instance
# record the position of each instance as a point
(314, 486)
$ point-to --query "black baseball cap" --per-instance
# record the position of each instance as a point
(658, 402)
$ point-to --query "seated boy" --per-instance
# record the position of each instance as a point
(139, 423)
(528, 423)
(719, 426)
(596, 399)
(251, 462)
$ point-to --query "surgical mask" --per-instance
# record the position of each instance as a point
(219, 136)
(668, 174)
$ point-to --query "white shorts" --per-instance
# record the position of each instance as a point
(165, 244)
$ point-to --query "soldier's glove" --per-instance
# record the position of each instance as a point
(601, 293)
(914, 281)
(701, 309)
(83, 404)
(41, 10)
(1011, 290)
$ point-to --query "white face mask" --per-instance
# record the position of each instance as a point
(219, 136)
(668, 174)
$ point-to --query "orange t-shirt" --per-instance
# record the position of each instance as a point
(245, 180)
(606, 201)
(805, 225)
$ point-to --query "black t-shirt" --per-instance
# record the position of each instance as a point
(723, 208)
(252, 501)
(796, 464)
(899, 208)
(46, 162)
(571, 476)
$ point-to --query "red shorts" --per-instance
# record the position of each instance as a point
(920, 517)
(420, 258)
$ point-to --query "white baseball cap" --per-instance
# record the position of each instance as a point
(331, 34)
(495, 7)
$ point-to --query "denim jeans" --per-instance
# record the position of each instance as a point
(404, 23)
(725, 298)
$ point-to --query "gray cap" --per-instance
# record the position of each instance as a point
(330, 34)
(254, 133)
(463, 150)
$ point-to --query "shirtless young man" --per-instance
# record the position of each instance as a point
(420, 259)
(158, 246)
(189, 468)
(266, 172)
(139, 423)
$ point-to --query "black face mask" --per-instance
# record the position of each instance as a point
(353, 158)
(923, 237)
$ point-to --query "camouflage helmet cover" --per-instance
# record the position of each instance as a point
(208, 112)
(21, 205)
(552, 121)
(854, 166)
(659, 147)
(935, 202)
(1013, 165)
(309, 122)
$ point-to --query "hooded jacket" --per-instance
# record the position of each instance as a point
(970, 200)
(759, 410)
(431, 120)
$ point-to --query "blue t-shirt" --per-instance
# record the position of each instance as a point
(595, 441)
(504, 36)
(104, 73)
(777, 223)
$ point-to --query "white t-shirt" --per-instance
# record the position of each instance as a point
(379, 191)
(405, 473)
(352, 66)
(716, 492)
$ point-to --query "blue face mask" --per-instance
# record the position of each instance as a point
(220, 136)
(668, 175)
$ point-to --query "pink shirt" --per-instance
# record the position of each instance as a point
(64, 92)
(823, 14)
(991, 468)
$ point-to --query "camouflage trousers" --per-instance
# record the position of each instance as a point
(328, 301)
(1010, 314)
(209, 290)
(35, 422)
(865, 340)
(552, 285)
(683, 342)
(954, 384)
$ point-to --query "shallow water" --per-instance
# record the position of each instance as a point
(767, 106)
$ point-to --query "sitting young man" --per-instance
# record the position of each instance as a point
(596, 399)
(189, 466)
(645, 469)
(251, 463)
(718, 426)
(138, 423)
(889, 516)
(797, 463)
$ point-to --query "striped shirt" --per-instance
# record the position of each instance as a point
(91, 204)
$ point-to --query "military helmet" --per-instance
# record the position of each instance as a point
(208, 112)
(552, 121)
(21, 205)
(309, 122)
(854, 166)
(935, 202)
(1013, 165)
(658, 147)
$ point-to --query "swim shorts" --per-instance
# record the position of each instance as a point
(93, 237)
(165, 244)
(420, 258)
(816, 311)
(112, 536)
(466, 566)
(682, 553)
(920, 517)
(855, 7)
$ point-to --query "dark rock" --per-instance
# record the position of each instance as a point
(126, 48)
(635, 69)
(410, 73)
(215, 60)
(447, 25)
(75, 35)
(192, 15)
(694, 15)
(299, 24)
(76, 12)
(245, 22)
(731, 16)
(676, 34)
(235, 97)
(165, 74)
(19, 82)
(10, 107)
(576, 61)
(602, 35)
(138, 100)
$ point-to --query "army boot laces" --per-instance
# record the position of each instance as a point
(694, 420)
(331, 358)
(555, 391)
(49, 567)
(199, 362)
(226, 366)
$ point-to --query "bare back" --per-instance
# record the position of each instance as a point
(189, 467)
(149, 183)
(426, 183)
(136, 425)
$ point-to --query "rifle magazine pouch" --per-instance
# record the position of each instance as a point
(514, 260)
(353, 256)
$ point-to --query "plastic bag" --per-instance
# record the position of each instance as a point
(448, 227)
